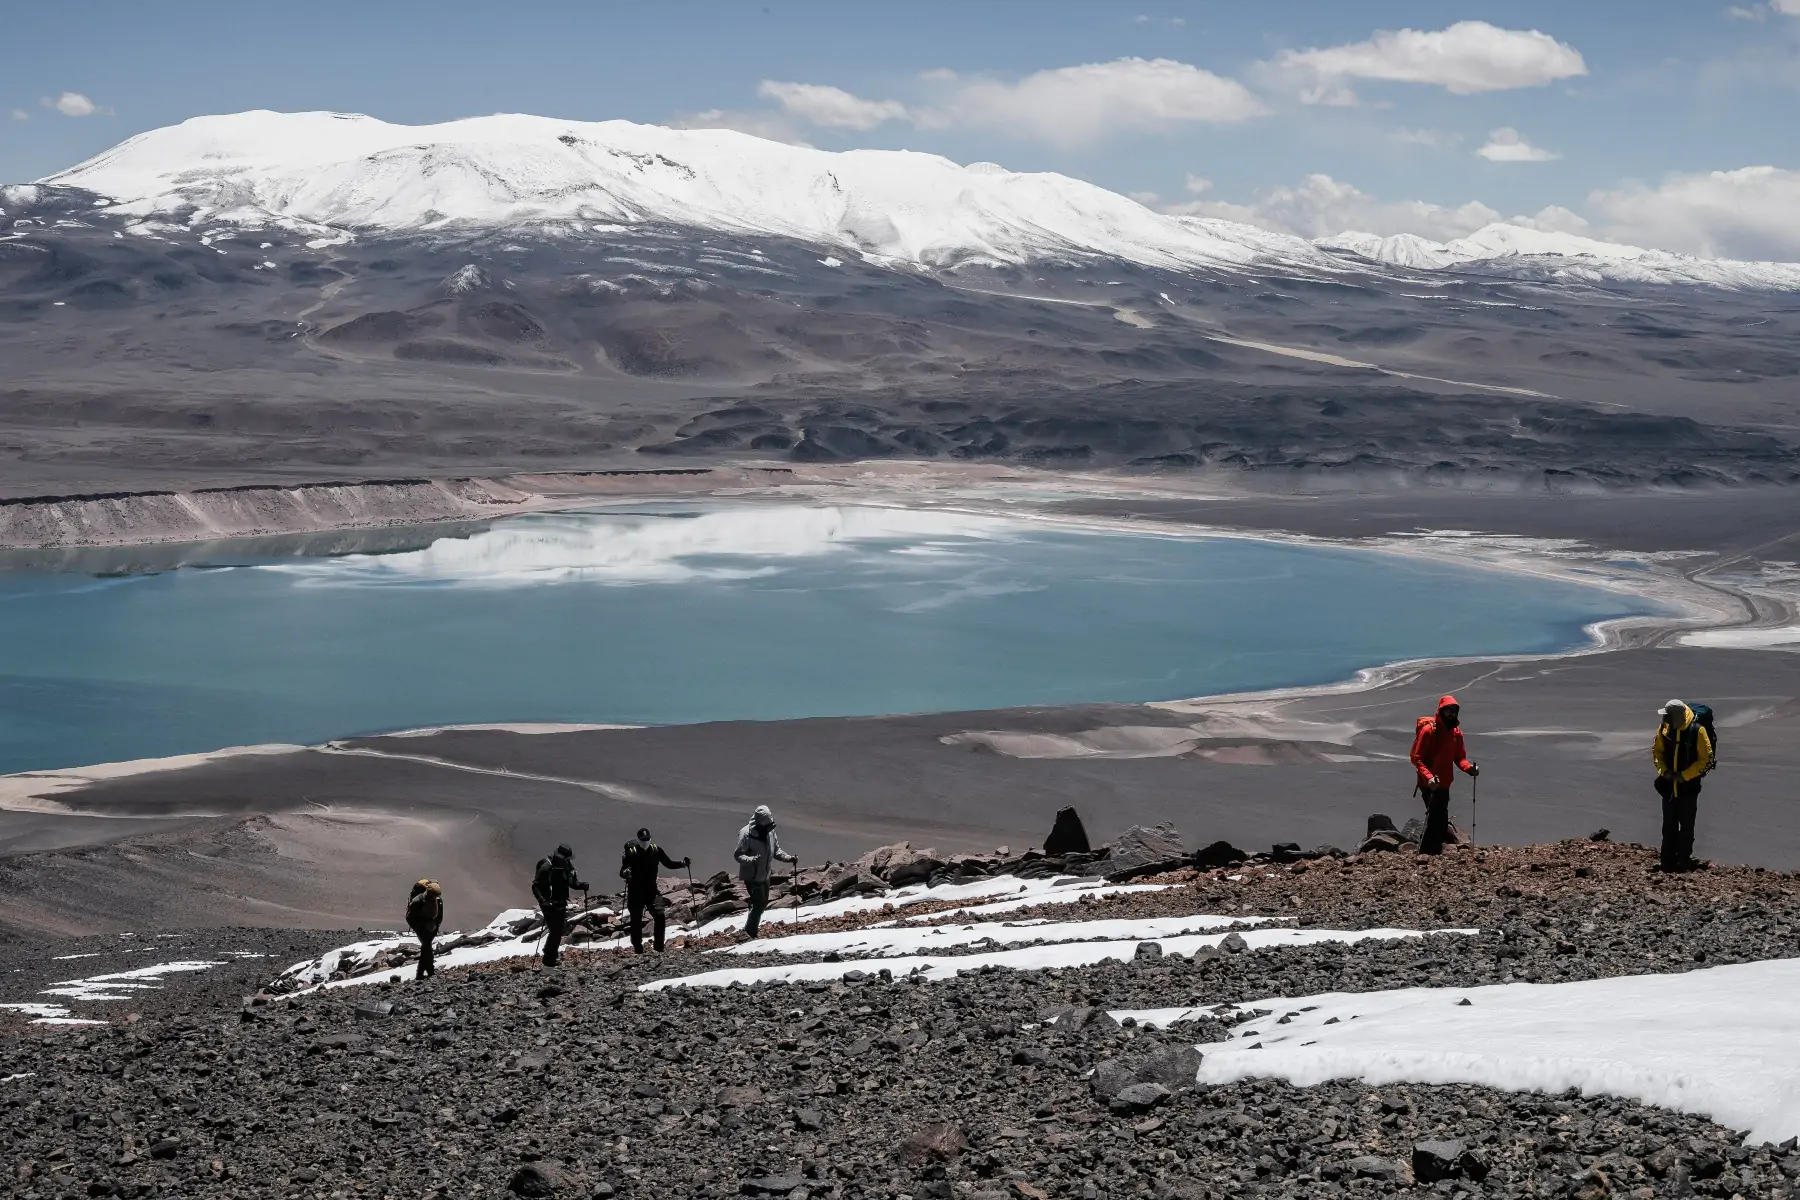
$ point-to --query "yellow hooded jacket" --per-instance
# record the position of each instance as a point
(1675, 761)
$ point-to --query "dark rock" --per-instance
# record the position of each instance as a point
(939, 1142)
(540, 1179)
(1380, 823)
(1139, 1098)
(1432, 1161)
(772, 1185)
(1382, 840)
(165, 1148)
(1150, 950)
(1373, 1166)
(1140, 846)
(1174, 1070)
(1234, 943)
(1286, 852)
(1068, 835)
(1600, 835)
(373, 1010)
(1218, 854)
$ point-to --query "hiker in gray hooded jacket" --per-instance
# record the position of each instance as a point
(757, 850)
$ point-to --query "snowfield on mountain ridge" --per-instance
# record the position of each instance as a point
(328, 171)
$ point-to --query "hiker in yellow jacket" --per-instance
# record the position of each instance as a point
(1683, 752)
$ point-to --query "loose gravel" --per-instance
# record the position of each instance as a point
(508, 1080)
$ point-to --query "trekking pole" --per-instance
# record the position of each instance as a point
(794, 887)
(1474, 807)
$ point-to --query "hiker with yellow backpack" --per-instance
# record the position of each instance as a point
(1684, 750)
(425, 916)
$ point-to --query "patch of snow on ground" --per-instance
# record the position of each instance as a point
(891, 938)
(48, 1014)
(119, 985)
(1031, 958)
(502, 943)
(1722, 1043)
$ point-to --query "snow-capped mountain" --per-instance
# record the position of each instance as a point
(1541, 254)
(340, 174)
(357, 173)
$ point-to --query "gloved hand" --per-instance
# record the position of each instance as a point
(686, 861)
(1474, 770)
(1431, 781)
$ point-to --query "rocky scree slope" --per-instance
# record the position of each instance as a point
(509, 1080)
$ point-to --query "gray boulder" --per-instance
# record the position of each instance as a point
(1174, 1070)
(1140, 846)
(1139, 1098)
(1373, 1166)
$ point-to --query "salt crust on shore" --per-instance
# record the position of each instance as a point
(1723, 1042)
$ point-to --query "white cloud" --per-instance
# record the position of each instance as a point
(1789, 8)
(19, 114)
(1196, 185)
(1436, 138)
(1465, 58)
(772, 126)
(72, 104)
(1320, 206)
(1554, 218)
(1508, 145)
(821, 104)
(1752, 212)
(1080, 105)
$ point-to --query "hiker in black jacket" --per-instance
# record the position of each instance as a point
(425, 916)
(550, 887)
(638, 870)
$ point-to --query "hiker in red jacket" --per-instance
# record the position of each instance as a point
(1437, 753)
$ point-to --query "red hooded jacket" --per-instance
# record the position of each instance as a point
(1438, 750)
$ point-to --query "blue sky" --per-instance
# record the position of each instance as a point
(1634, 119)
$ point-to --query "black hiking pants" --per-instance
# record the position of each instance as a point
(1437, 820)
(427, 961)
(1680, 804)
(637, 900)
(759, 900)
(556, 922)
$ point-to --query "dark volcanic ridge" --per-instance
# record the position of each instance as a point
(140, 354)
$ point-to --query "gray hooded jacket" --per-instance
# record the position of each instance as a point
(758, 847)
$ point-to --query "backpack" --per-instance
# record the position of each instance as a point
(422, 905)
(540, 882)
(1703, 719)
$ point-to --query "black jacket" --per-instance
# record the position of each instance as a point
(639, 865)
(555, 876)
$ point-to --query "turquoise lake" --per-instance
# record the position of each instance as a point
(706, 614)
